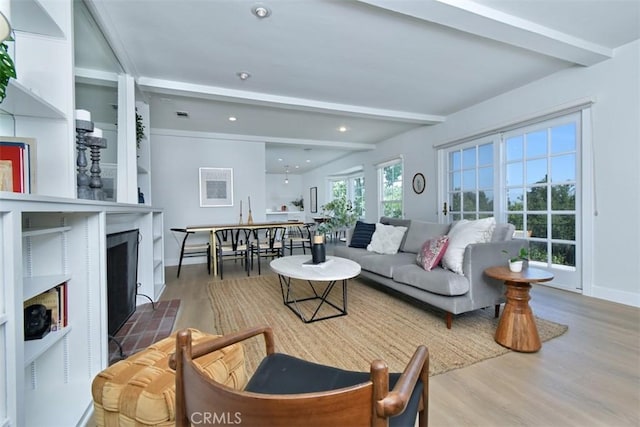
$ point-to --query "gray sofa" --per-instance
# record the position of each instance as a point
(441, 288)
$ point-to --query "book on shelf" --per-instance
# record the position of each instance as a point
(17, 164)
(62, 304)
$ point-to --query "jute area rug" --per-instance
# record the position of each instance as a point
(378, 326)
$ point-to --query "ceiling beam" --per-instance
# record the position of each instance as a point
(483, 21)
(341, 145)
(170, 87)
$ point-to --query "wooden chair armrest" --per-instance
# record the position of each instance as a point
(396, 400)
(218, 343)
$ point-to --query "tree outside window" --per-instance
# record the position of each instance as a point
(390, 191)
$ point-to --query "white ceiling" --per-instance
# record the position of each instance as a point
(378, 67)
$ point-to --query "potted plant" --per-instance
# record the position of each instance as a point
(299, 203)
(516, 262)
(340, 214)
(139, 129)
(7, 69)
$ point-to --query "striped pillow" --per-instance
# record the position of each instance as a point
(362, 235)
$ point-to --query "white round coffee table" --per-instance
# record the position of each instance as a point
(334, 270)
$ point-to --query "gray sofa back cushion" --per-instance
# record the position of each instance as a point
(421, 231)
(397, 222)
(503, 232)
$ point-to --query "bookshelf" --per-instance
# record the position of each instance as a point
(48, 241)
(50, 237)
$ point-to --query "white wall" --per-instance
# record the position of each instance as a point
(615, 234)
(175, 161)
(277, 193)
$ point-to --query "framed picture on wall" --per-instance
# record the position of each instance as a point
(216, 187)
(313, 197)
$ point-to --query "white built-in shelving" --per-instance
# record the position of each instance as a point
(48, 241)
(49, 237)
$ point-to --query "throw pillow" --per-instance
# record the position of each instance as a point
(361, 236)
(386, 239)
(462, 234)
(432, 252)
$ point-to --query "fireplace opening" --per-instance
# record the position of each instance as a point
(122, 278)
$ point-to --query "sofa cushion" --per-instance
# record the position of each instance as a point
(421, 231)
(354, 254)
(503, 232)
(398, 222)
(385, 265)
(462, 234)
(362, 233)
(431, 252)
(438, 281)
(386, 239)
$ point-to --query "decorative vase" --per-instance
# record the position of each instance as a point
(318, 251)
(516, 266)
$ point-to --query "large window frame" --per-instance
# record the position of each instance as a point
(559, 228)
(352, 188)
(391, 188)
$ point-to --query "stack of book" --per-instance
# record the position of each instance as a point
(17, 170)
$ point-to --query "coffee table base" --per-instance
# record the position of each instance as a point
(517, 327)
(292, 302)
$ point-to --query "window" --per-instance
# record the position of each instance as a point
(540, 189)
(471, 180)
(527, 176)
(390, 188)
(351, 188)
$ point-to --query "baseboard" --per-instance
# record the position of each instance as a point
(614, 295)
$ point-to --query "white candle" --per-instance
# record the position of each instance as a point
(249, 202)
(97, 133)
(240, 207)
(83, 115)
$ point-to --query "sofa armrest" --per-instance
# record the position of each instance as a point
(485, 291)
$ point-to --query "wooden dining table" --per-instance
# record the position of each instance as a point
(212, 228)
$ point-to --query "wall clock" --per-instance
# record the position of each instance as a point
(418, 183)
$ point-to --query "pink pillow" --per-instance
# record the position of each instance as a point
(432, 251)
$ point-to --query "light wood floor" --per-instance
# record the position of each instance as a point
(590, 376)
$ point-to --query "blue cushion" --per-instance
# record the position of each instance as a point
(362, 235)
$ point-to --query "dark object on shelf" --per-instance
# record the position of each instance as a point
(318, 251)
(37, 322)
(140, 196)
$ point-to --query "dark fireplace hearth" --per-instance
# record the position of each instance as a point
(122, 278)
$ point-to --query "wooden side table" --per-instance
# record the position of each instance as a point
(517, 328)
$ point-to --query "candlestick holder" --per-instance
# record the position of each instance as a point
(82, 178)
(95, 182)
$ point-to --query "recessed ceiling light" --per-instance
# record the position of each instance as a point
(261, 11)
(280, 160)
(243, 75)
(297, 167)
(342, 129)
(308, 161)
(232, 118)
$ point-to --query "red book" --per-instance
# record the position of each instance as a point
(15, 154)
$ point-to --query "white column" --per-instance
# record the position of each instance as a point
(127, 156)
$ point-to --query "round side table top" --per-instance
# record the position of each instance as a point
(527, 275)
(335, 268)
